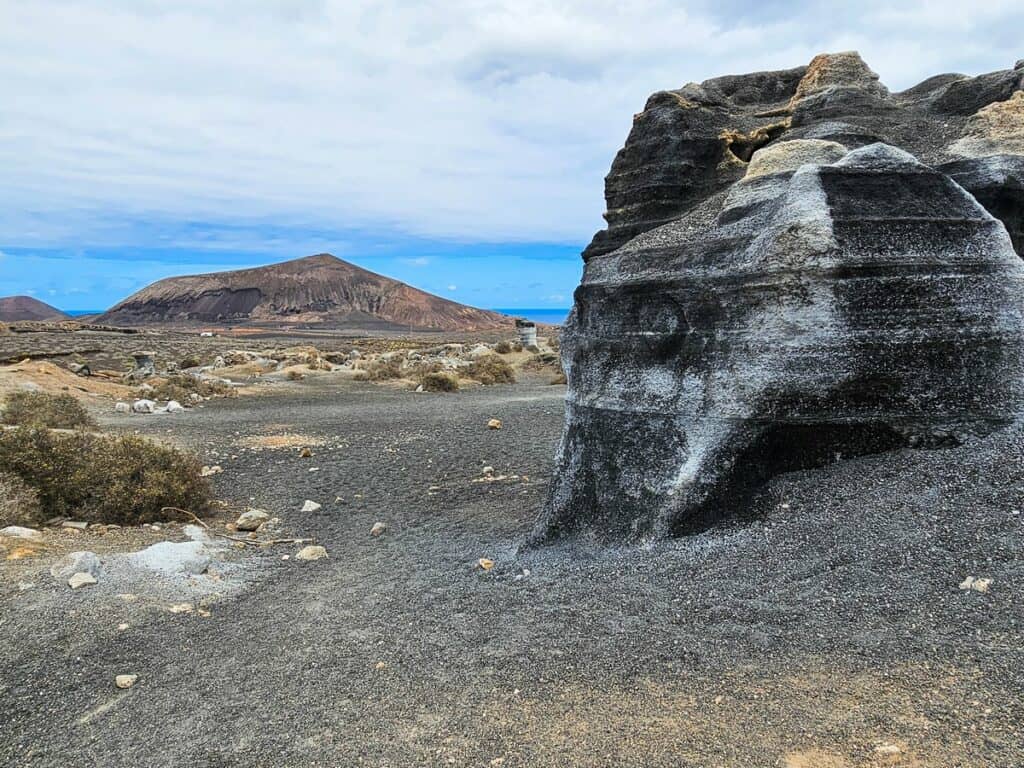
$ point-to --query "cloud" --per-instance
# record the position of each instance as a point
(453, 288)
(418, 261)
(463, 120)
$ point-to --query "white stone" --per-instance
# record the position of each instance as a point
(251, 519)
(311, 506)
(312, 552)
(216, 469)
(19, 532)
(122, 408)
(173, 406)
(76, 562)
(173, 557)
(143, 406)
(78, 525)
(125, 681)
(378, 529)
(81, 580)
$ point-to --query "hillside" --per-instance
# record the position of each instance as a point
(318, 291)
(15, 308)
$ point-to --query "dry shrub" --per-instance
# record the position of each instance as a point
(40, 409)
(559, 378)
(120, 479)
(440, 381)
(294, 375)
(4, 329)
(503, 347)
(180, 385)
(190, 361)
(491, 369)
(381, 370)
(19, 504)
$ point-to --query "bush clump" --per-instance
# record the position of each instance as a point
(381, 370)
(40, 409)
(491, 369)
(190, 361)
(503, 347)
(180, 386)
(440, 381)
(19, 504)
(120, 479)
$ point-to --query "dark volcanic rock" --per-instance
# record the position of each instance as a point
(319, 290)
(20, 308)
(837, 295)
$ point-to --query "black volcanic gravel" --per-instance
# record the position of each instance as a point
(821, 635)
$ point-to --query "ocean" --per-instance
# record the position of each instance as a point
(553, 316)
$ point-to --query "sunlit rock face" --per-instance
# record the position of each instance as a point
(816, 282)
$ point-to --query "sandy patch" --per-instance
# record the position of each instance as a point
(48, 377)
(286, 440)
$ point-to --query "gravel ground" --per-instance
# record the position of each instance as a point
(828, 633)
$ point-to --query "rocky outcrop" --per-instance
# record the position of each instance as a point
(828, 286)
(21, 308)
(320, 291)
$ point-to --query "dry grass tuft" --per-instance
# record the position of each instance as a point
(180, 386)
(440, 381)
(491, 369)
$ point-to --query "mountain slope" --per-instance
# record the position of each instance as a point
(319, 290)
(14, 308)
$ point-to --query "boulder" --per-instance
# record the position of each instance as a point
(810, 297)
(173, 557)
(143, 406)
(122, 408)
(173, 406)
(312, 552)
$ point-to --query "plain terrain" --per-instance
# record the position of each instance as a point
(830, 634)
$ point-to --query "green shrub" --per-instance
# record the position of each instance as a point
(19, 504)
(491, 369)
(103, 478)
(440, 381)
(191, 361)
(40, 409)
(179, 386)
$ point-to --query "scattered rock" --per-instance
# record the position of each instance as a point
(216, 469)
(76, 562)
(251, 520)
(122, 408)
(181, 608)
(485, 563)
(312, 552)
(488, 470)
(306, 453)
(311, 506)
(125, 681)
(494, 424)
(975, 585)
(143, 406)
(174, 557)
(378, 529)
(20, 532)
(81, 580)
(173, 406)
(78, 525)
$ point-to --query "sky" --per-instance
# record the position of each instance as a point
(458, 145)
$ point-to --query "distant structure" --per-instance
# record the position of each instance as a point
(799, 266)
(527, 331)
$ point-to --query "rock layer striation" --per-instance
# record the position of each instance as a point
(800, 266)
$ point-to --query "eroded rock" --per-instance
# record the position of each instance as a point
(827, 290)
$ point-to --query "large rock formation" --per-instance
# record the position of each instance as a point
(799, 266)
(15, 308)
(319, 290)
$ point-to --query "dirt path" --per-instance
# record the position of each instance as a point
(401, 651)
